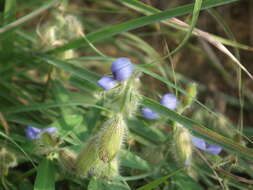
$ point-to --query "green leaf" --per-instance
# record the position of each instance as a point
(131, 160)
(137, 23)
(196, 10)
(159, 181)
(150, 133)
(68, 67)
(182, 180)
(45, 179)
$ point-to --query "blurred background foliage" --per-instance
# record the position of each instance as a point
(53, 52)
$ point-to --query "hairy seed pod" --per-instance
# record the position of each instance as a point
(111, 138)
(87, 158)
(183, 146)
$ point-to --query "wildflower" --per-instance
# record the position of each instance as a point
(107, 82)
(122, 69)
(35, 133)
(169, 101)
(149, 113)
(203, 145)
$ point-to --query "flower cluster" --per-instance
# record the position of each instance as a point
(35, 133)
(122, 69)
(203, 145)
(168, 100)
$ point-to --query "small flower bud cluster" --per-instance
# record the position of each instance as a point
(122, 69)
(168, 100)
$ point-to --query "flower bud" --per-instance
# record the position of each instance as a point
(203, 145)
(169, 101)
(149, 114)
(192, 92)
(183, 147)
(107, 82)
(122, 68)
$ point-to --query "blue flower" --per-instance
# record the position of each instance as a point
(169, 101)
(32, 132)
(107, 82)
(203, 145)
(35, 133)
(149, 113)
(122, 69)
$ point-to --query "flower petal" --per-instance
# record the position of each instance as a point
(107, 82)
(213, 149)
(149, 113)
(169, 101)
(199, 143)
(32, 132)
(122, 68)
(50, 130)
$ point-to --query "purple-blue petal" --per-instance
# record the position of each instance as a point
(149, 114)
(32, 132)
(122, 68)
(199, 143)
(50, 130)
(213, 149)
(107, 82)
(169, 101)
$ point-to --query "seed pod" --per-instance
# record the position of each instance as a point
(87, 158)
(183, 146)
(111, 138)
(122, 69)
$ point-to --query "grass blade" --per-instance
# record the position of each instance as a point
(137, 23)
(45, 176)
